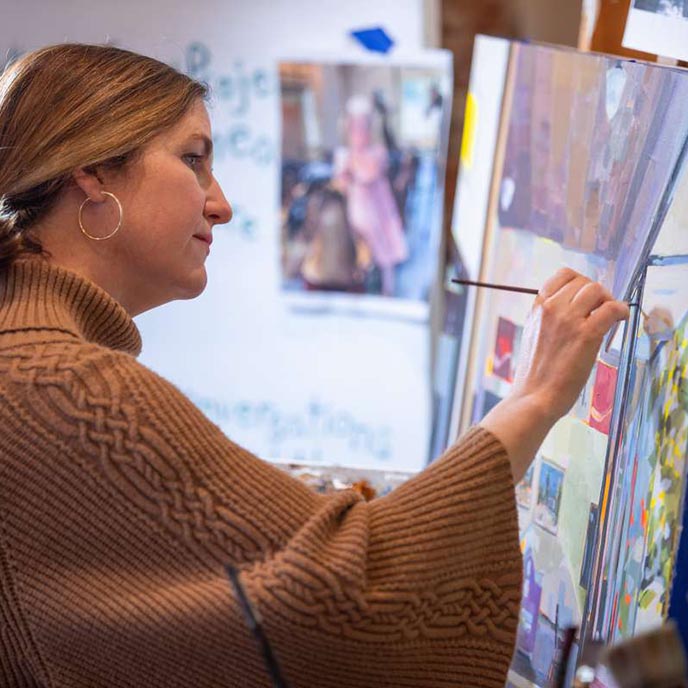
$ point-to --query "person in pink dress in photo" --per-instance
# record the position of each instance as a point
(361, 173)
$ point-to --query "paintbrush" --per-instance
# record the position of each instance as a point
(505, 287)
(653, 660)
(501, 287)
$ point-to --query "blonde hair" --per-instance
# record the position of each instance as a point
(72, 105)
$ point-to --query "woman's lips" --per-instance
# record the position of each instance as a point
(207, 238)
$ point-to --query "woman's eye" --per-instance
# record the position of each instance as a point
(193, 160)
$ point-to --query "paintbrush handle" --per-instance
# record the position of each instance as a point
(507, 287)
(501, 287)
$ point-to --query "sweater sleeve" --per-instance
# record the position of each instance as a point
(125, 502)
(20, 663)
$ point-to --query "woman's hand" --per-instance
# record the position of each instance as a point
(560, 343)
(562, 337)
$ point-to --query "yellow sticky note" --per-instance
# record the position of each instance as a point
(470, 121)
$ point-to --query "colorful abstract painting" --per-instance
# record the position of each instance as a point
(585, 163)
(663, 449)
(591, 148)
(644, 521)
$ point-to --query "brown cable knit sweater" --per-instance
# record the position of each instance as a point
(120, 502)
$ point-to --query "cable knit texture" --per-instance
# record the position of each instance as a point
(120, 503)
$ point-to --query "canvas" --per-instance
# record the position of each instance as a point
(647, 507)
(592, 144)
(584, 170)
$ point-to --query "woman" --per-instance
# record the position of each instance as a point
(120, 503)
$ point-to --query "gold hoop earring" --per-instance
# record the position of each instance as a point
(114, 231)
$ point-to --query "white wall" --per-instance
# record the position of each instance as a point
(289, 386)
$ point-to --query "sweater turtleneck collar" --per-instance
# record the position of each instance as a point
(37, 295)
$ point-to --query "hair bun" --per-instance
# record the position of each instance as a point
(7, 217)
(14, 241)
(10, 240)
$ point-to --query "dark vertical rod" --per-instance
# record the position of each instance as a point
(253, 621)
(591, 612)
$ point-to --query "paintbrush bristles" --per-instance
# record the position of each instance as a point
(652, 660)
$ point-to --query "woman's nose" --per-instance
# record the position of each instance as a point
(217, 207)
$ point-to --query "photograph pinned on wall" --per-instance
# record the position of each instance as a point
(363, 156)
(549, 496)
(659, 27)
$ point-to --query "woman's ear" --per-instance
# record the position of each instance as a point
(90, 182)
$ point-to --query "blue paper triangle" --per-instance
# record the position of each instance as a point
(375, 39)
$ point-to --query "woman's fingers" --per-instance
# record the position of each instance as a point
(584, 297)
(561, 340)
(555, 283)
(568, 292)
(601, 319)
(591, 296)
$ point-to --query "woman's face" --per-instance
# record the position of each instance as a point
(171, 201)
